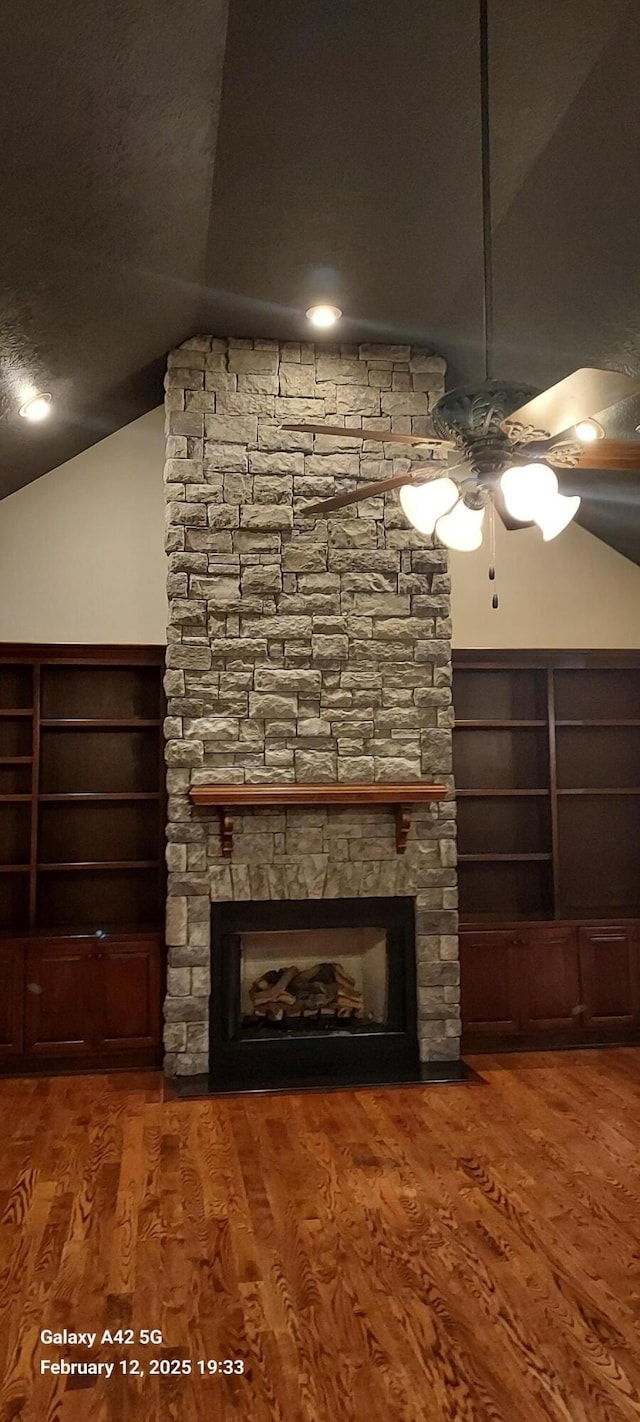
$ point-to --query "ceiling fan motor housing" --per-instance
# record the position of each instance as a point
(471, 416)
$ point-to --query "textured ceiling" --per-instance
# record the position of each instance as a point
(108, 116)
(346, 165)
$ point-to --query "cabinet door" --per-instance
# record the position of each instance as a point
(11, 998)
(490, 968)
(130, 1004)
(608, 964)
(551, 1000)
(60, 998)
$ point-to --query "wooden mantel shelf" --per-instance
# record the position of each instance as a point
(400, 797)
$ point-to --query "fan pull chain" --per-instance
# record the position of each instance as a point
(495, 601)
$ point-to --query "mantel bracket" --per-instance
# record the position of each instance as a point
(402, 814)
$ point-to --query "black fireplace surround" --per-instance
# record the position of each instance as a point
(320, 1047)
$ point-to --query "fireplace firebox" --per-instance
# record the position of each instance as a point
(313, 990)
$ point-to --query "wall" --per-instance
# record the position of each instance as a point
(572, 592)
(81, 555)
(81, 561)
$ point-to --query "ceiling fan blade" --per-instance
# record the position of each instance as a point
(384, 436)
(579, 396)
(611, 454)
(364, 491)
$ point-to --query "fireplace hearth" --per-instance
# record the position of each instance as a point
(309, 989)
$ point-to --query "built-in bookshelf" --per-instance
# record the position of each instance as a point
(547, 768)
(81, 787)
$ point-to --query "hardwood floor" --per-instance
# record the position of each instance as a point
(446, 1254)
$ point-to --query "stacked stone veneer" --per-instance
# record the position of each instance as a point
(302, 649)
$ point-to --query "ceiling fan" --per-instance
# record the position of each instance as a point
(503, 445)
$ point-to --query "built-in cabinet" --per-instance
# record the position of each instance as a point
(81, 856)
(91, 997)
(566, 984)
(547, 766)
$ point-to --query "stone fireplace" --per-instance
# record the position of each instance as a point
(302, 649)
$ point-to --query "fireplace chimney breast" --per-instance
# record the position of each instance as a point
(302, 649)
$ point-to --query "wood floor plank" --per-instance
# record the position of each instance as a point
(451, 1254)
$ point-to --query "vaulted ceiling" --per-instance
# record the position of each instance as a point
(169, 168)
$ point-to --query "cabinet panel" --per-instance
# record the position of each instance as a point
(60, 998)
(11, 999)
(130, 1006)
(551, 999)
(608, 965)
(490, 968)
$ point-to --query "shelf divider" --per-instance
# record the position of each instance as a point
(35, 787)
(553, 788)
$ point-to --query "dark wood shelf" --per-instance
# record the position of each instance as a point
(91, 929)
(597, 724)
(68, 723)
(462, 725)
(15, 868)
(16, 760)
(504, 858)
(16, 711)
(603, 790)
(600, 913)
(106, 795)
(489, 794)
(98, 864)
(15, 799)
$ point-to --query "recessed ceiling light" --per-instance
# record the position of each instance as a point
(588, 430)
(324, 315)
(36, 408)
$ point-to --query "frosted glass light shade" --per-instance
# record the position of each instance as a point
(557, 513)
(527, 490)
(423, 504)
(462, 528)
